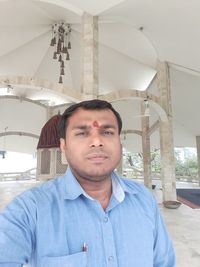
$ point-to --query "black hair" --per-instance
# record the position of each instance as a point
(94, 104)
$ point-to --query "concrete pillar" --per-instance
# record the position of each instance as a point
(146, 148)
(89, 84)
(198, 155)
(166, 135)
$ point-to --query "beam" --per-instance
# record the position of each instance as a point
(154, 127)
(19, 133)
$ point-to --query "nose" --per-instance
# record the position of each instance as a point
(96, 140)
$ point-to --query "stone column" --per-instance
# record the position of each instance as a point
(198, 155)
(146, 149)
(89, 84)
(166, 135)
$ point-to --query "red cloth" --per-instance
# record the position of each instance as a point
(49, 134)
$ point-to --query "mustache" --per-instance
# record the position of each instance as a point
(97, 154)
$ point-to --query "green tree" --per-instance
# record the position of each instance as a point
(185, 162)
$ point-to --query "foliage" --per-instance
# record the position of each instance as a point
(185, 162)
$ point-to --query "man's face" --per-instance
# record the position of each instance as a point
(92, 144)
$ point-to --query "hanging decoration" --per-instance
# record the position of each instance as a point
(61, 32)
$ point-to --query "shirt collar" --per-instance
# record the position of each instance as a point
(120, 187)
(73, 189)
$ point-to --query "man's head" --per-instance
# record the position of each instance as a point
(90, 139)
(95, 104)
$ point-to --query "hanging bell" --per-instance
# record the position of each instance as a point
(69, 45)
(60, 58)
(62, 64)
(52, 42)
(62, 71)
(67, 57)
(54, 55)
(64, 49)
(59, 46)
(60, 79)
(62, 38)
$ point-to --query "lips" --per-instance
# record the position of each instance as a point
(97, 157)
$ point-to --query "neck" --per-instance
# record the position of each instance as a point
(99, 190)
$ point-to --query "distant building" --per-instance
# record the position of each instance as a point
(50, 162)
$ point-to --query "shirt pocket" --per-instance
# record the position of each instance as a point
(74, 260)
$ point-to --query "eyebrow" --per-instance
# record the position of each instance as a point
(108, 126)
(87, 127)
(80, 127)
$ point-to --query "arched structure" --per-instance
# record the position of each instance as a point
(30, 82)
(49, 156)
(102, 65)
(154, 101)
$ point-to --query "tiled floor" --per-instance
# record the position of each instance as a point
(183, 223)
(184, 227)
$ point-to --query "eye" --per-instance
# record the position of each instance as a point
(108, 133)
(80, 133)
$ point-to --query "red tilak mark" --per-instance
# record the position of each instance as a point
(95, 124)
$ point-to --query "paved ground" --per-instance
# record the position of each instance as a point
(183, 223)
(184, 228)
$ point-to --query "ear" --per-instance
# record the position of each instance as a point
(62, 145)
(63, 150)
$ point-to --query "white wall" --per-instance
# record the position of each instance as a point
(20, 116)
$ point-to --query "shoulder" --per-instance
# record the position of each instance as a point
(40, 194)
(47, 189)
(140, 193)
(135, 187)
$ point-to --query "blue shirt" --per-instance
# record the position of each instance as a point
(58, 225)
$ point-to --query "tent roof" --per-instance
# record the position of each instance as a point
(133, 35)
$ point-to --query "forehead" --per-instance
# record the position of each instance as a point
(81, 116)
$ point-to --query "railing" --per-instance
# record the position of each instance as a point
(31, 174)
(185, 178)
(157, 176)
(16, 176)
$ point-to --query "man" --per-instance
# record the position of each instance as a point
(90, 217)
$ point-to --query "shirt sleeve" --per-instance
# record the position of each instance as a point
(16, 233)
(164, 255)
(10, 265)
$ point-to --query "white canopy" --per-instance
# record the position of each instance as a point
(133, 35)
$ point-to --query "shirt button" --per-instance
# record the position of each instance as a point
(105, 219)
(110, 258)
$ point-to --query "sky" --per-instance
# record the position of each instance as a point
(17, 162)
